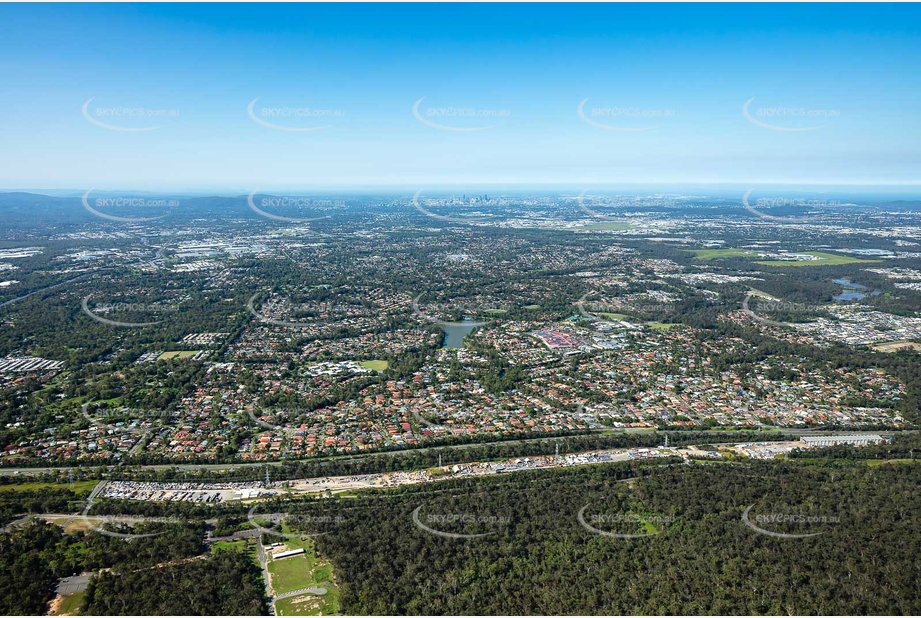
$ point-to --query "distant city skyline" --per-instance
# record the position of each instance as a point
(186, 98)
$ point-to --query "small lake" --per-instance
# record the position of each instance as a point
(852, 290)
(455, 333)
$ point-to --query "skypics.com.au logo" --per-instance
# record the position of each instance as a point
(468, 308)
(417, 203)
(622, 119)
(599, 311)
(787, 119)
(626, 203)
(457, 119)
(433, 523)
(291, 119)
(635, 202)
(798, 518)
(276, 419)
(799, 204)
(121, 204)
(655, 523)
(105, 417)
(127, 119)
(103, 523)
(316, 315)
(291, 521)
(288, 203)
(130, 308)
(465, 311)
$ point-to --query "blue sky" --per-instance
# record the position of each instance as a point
(667, 82)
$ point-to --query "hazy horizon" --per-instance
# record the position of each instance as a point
(180, 97)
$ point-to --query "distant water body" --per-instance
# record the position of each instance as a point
(851, 290)
(455, 333)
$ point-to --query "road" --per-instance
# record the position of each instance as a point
(68, 517)
(263, 562)
(141, 442)
(313, 590)
(231, 467)
(40, 290)
(236, 466)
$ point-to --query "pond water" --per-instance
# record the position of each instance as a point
(455, 333)
(852, 290)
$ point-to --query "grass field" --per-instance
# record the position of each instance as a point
(825, 259)
(376, 365)
(614, 316)
(219, 546)
(310, 605)
(79, 524)
(650, 528)
(716, 254)
(289, 574)
(873, 463)
(247, 546)
(183, 354)
(303, 571)
(78, 486)
(532, 307)
(298, 571)
(661, 325)
(894, 346)
(70, 605)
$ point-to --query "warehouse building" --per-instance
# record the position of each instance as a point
(858, 440)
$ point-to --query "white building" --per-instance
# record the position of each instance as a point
(854, 440)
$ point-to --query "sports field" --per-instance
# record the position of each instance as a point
(376, 365)
(301, 572)
(182, 354)
(894, 346)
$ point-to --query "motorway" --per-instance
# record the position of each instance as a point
(231, 467)
(38, 291)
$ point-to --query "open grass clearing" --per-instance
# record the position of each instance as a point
(67, 606)
(716, 254)
(661, 325)
(180, 354)
(894, 346)
(310, 605)
(824, 259)
(77, 487)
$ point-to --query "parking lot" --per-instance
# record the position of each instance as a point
(183, 492)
